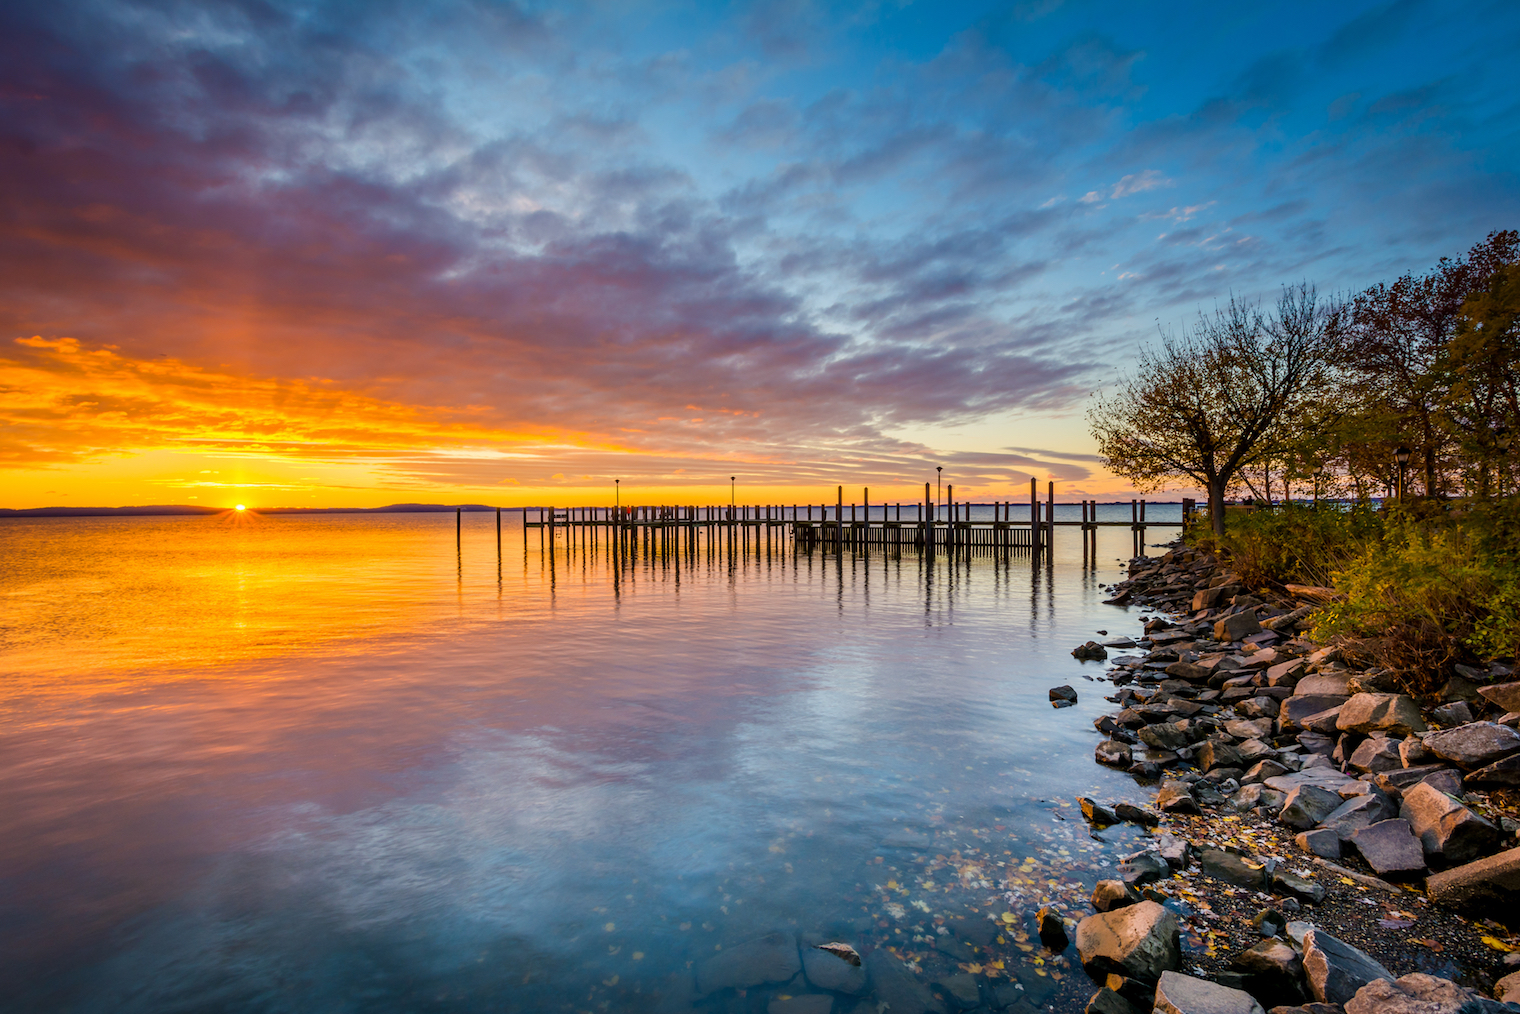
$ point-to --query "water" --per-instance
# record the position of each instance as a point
(295, 763)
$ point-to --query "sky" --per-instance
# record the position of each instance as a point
(359, 253)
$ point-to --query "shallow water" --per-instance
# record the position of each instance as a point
(293, 763)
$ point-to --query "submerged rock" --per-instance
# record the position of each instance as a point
(896, 986)
(829, 969)
(771, 958)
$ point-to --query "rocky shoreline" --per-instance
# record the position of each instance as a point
(1299, 791)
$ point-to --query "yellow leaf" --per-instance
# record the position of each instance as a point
(609, 927)
(1497, 944)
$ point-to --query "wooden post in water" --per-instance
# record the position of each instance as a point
(458, 527)
(1050, 518)
(1034, 517)
(498, 536)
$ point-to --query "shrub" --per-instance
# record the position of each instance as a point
(1293, 543)
(1440, 586)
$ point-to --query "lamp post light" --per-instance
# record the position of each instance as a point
(617, 493)
(939, 471)
(1401, 455)
(730, 497)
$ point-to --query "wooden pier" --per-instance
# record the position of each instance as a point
(923, 527)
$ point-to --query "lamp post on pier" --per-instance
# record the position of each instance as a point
(617, 493)
(1401, 455)
(939, 471)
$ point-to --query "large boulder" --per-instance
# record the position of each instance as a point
(1139, 942)
(1111, 894)
(1236, 627)
(1334, 684)
(1474, 745)
(1505, 695)
(1377, 755)
(1183, 994)
(1391, 849)
(1233, 869)
(1394, 714)
(1445, 827)
(1418, 993)
(1295, 709)
(1114, 754)
(1272, 971)
(1213, 754)
(1308, 804)
(1335, 969)
(1356, 813)
(1487, 887)
(828, 970)
(896, 986)
(1502, 773)
(771, 958)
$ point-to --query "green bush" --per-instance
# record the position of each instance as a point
(1440, 585)
(1292, 543)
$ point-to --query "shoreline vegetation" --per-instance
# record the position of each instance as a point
(1326, 697)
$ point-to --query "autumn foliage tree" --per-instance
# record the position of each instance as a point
(1206, 403)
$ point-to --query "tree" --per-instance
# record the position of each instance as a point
(1481, 398)
(1212, 401)
(1392, 345)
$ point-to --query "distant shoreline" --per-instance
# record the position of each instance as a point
(171, 510)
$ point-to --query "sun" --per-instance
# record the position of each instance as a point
(241, 507)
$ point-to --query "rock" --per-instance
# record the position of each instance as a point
(1174, 797)
(1396, 714)
(1096, 813)
(1259, 707)
(1505, 695)
(1403, 778)
(1114, 754)
(1183, 994)
(1233, 869)
(1139, 941)
(1321, 721)
(1274, 973)
(1284, 882)
(1063, 693)
(1212, 754)
(1322, 842)
(771, 958)
(1416, 993)
(1445, 827)
(1295, 709)
(1112, 894)
(1335, 969)
(1106, 1001)
(1507, 989)
(1174, 850)
(1502, 773)
(1236, 627)
(1165, 736)
(1474, 745)
(1308, 804)
(1188, 671)
(812, 1003)
(1487, 886)
(1143, 868)
(1391, 849)
(1323, 684)
(1262, 770)
(958, 950)
(1091, 651)
(1356, 813)
(1448, 780)
(961, 989)
(1052, 930)
(1412, 752)
(1269, 922)
(1377, 755)
(1131, 814)
(1257, 728)
(1253, 751)
(1285, 673)
(896, 986)
(1455, 713)
(829, 970)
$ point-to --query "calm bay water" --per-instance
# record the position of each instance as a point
(295, 763)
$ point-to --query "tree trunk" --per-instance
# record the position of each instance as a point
(1216, 506)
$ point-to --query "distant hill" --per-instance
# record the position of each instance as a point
(161, 510)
